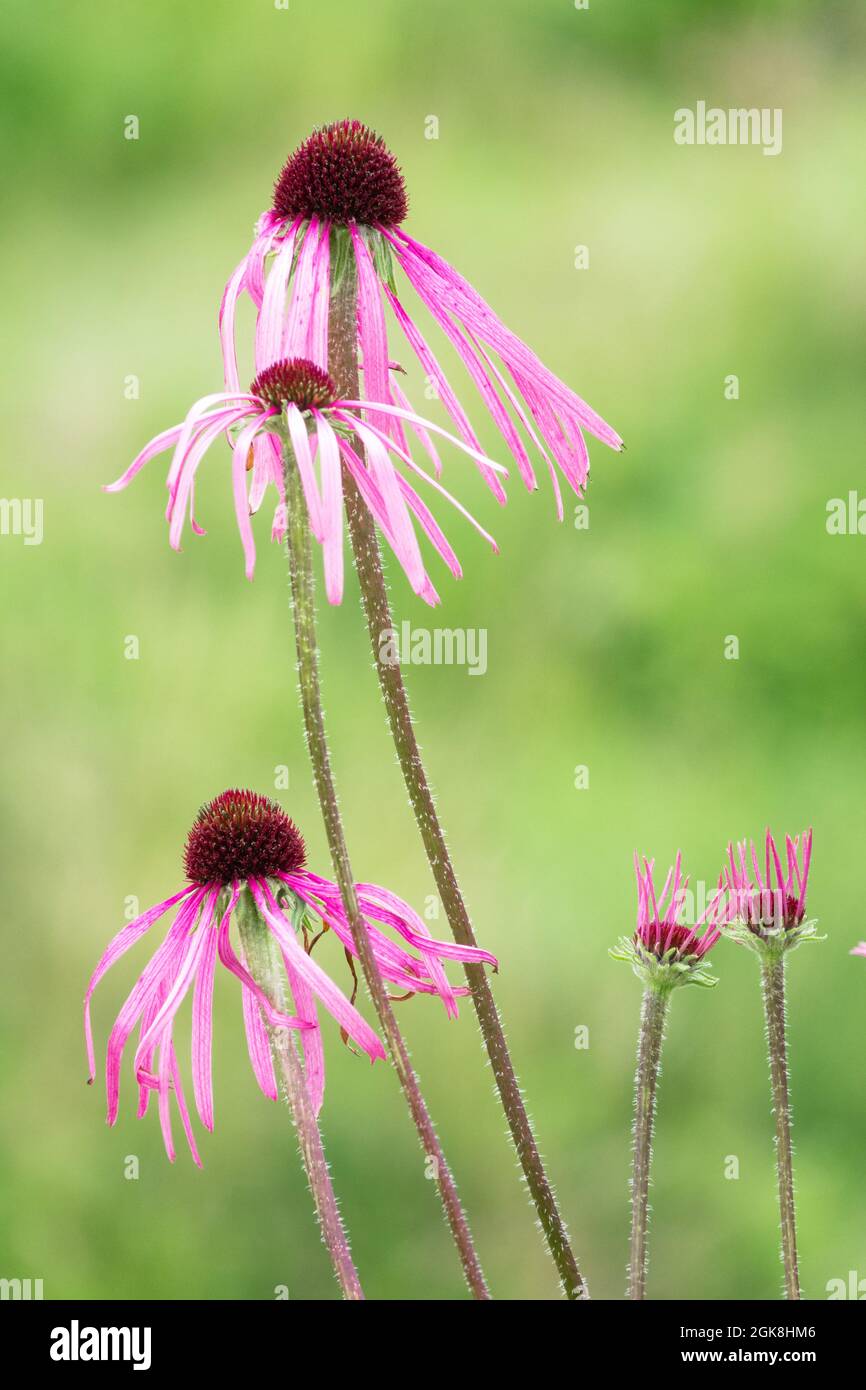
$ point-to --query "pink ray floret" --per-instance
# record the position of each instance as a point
(244, 843)
(659, 926)
(296, 396)
(343, 179)
(765, 890)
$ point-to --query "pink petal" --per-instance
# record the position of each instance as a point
(333, 998)
(371, 327)
(332, 507)
(117, 947)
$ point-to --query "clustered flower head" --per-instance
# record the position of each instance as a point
(767, 900)
(341, 195)
(337, 208)
(243, 845)
(664, 951)
(294, 402)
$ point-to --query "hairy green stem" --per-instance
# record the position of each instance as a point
(773, 978)
(298, 547)
(258, 948)
(652, 1031)
(343, 366)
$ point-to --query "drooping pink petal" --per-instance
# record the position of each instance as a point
(182, 1106)
(371, 328)
(428, 424)
(431, 482)
(269, 322)
(296, 330)
(317, 333)
(159, 969)
(437, 282)
(373, 501)
(322, 985)
(434, 373)
(239, 488)
(398, 394)
(258, 1045)
(332, 507)
(202, 1027)
(311, 1038)
(275, 1017)
(405, 541)
(117, 947)
(181, 486)
(180, 985)
(304, 459)
(156, 446)
(501, 418)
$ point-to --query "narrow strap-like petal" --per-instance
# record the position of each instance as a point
(371, 327)
(240, 454)
(258, 1045)
(311, 1038)
(157, 974)
(405, 540)
(269, 322)
(202, 1028)
(332, 507)
(304, 458)
(117, 947)
(322, 985)
(156, 446)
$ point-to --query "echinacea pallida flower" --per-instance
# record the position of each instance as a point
(767, 900)
(293, 403)
(767, 912)
(664, 950)
(244, 843)
(342, 196)
(664, 953)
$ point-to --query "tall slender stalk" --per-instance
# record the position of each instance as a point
(298, 546)
(259, 952)
(343, 368)
(652, 1031)
(773, 979)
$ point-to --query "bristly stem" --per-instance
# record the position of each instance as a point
(649, 1053)
(343, 367)
(259, 952)
(773, 977)
(299, 549)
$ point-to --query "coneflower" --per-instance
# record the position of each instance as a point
(245, 864)
(330, 250)
(767, 908)
(664, 953)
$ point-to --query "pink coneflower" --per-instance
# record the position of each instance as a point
(772, 895)
(664, 953)
(294, 402)
(659, 929)
(342, 196)
(243, 849)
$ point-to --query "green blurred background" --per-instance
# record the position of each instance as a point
(605, 647)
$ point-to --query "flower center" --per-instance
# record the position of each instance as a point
(297, 380)
(239, 835)
(771, 908)
(343, 173)
(675, 937)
